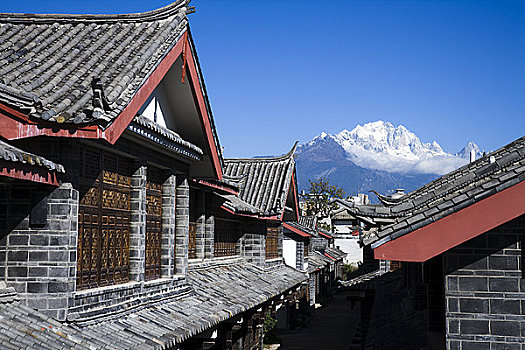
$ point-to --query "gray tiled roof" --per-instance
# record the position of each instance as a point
(450, 193)
(308, 221)
(362, 278)
(239, 206)
(25, 328)
(316, 262)
(336, 253)
(83, 68)
(266, 180)
(220, 290)
(306, 229)
(13, 154)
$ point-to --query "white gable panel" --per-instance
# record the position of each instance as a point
(153, 112)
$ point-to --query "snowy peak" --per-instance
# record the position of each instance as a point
(382, 146)
(383, 137)
(465, 151)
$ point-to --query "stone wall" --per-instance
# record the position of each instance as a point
(485, 290)
(39, 261)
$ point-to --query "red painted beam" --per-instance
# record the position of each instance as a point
(450, 231)
(269, 218)
(296, 230)
(15, 125)
(325, 235)
(331, 257)
(29, 173)
(218, 187)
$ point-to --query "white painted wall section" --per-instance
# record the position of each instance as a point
(354, 253)
(289, 252)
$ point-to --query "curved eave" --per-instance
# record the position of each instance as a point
(192, 153)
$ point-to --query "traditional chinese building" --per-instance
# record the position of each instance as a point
(118, 226)
(456, 245)
(311, 250)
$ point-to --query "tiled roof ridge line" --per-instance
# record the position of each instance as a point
(11, 153)
(152, 15)
(237, 260)
(466, 183)
(286, 156)
(462, 168)
(129, 307)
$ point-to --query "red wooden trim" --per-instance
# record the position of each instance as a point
(218, 187)
(325, 235)
(295, 196)
(29, 173)
(269, 218)
(459, 227)
(22, 127)
(239, 214)
(203, 112)
(296, 230)
(331, 257)
(137, 101)
(15, 125)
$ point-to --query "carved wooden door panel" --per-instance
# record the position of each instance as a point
(153, 223)
(192, 250)
(104, 217)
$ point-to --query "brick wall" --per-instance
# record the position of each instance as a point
(485, 290)
(39, 262)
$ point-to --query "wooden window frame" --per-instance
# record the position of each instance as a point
(153, 240)
(272, 243)
(226, 236)
(104, 219)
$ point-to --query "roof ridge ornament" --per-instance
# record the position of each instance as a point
(100, 103)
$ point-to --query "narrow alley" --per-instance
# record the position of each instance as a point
(331, 327)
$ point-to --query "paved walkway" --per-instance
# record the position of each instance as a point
(330, 328)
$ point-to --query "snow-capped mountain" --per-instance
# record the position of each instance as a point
(465, 151)
(382, 146)
(378, 156)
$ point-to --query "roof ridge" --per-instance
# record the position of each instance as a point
(411, 195)
(277, 158)
(152, 15)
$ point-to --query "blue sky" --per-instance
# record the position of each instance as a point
(281, 71)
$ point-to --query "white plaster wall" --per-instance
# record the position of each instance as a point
(343, 226)
(354, 253)
(289, 252)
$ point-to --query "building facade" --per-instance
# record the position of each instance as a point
(116, 227)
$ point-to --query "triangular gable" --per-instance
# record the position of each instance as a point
(17, 109)
(292, 201)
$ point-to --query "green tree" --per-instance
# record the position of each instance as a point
(319, 197)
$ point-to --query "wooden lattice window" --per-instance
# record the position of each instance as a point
(226, 236)
(104, 217)
(192, 251)
(153, 223)
(272, 243)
